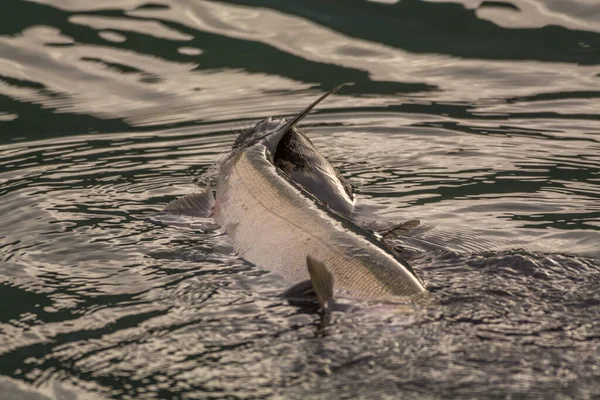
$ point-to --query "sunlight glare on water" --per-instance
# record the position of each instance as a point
(479, 118)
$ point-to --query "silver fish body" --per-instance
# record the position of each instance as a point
(286, 209)
(276, 225)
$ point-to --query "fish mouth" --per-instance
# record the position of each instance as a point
(300, 116)
(279, 132)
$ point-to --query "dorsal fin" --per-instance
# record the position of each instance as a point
(322, 281)
(198, 204)
(399, 229)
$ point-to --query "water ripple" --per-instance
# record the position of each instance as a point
(479, 118)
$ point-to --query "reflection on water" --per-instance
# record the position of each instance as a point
(479, 118)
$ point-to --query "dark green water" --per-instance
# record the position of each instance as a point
(480, 118)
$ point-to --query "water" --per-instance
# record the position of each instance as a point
(479, 118)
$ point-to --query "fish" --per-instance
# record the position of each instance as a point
(287, 210)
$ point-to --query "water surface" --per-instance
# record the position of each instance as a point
(479, 118)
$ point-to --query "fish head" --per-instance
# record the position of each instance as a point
(269, 131)
(294, 155)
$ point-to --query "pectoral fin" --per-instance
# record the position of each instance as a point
(322, 281)
(198, 204)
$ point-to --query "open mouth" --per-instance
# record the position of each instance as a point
(291, 123)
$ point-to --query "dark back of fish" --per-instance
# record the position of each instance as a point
(298, 158)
